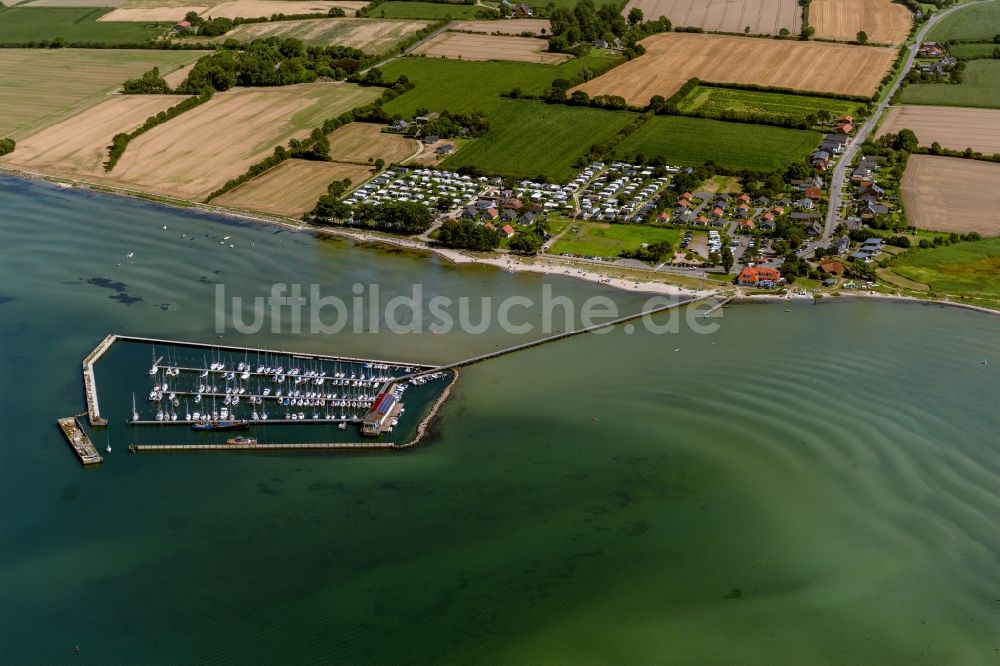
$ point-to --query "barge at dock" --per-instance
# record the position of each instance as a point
(78, 439)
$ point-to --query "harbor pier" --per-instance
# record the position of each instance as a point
(78, 439)
(90, 384)
(256, 446)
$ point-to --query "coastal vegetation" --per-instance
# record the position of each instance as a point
(966, 268)
(599, 239)
(7, 145)
(468, 235)
(398, 217)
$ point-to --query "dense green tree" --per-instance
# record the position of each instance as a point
(862, 37)
(468, 235)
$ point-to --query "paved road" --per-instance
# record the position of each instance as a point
(839, 176)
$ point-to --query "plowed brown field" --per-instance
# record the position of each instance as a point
(952, 127)
(673, 58)
(952, 194)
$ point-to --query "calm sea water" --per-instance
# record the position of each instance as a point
(816, 486)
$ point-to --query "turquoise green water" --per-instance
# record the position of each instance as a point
(817, 486)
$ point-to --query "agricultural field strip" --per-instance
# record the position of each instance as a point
(195, 153)
(465, 46)
(369, 35)
(505, 26)
(673, 58)
(884, 21)
(952, 194)
(40, 87)
(954, 128)
(292, 188)
(762, 17)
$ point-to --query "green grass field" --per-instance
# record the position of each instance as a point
(597, 239)
(39, 87)
(424, 10)
(694, 141)
(527, 139)
(461, 86)
(712, 100)
(973, 50)
(980, 22)
(980, 88)
(74, 24)
(968, 268)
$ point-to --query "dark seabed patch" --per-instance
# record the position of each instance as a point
(107, 283)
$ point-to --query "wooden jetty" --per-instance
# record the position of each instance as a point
(257, 446)
(78, 439)
(558, 336)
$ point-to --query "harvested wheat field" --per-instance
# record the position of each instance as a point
(884, 21)
(463, 46)
(176, 76)
(73, 3)
(952, 194)
(78, 146)
(506, 26)
(40, 87)
(257, 8)
(357, 142)
(951, 126)
(763, 17)
(193, 154)
(291, 188)
(151, 14)
(673, 58)
(369, 35)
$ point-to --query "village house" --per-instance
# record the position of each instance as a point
(181, 26)
(841, 245)
(931, 50)
(506, 231)
(759, 276)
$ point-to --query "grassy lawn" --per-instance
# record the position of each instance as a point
(597, 239)
(74, 24)
(712, 100)
(722, 185)
(972, 50)
(528, 139)
(424, 10)
(981, 87)
(694, 141)
(966, 268)
(980, 22)
(461, 86)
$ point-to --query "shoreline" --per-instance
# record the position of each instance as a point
(511, 263)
